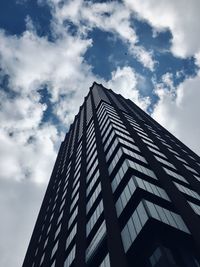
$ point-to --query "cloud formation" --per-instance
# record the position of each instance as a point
(125, 82)
(111, 17)
(180, 17)
(19, 204)
(178, 109)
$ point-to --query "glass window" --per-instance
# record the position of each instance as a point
(96, 241)
(156, 152)
(163, 255)
(91, 160)
(142, 169)
(109, 140)
(129, 144)
(72, 218)
(125, 150)
(77, 171)
(70, 257)
(105, 262)
(93, 197)
(46, 241)
(106, 112)
(90, 173)
(54, 249)
(76, 179)
(71, 235)
(36, 252)
(134, 155)
(42, 259)
(79, 150)
(144, 210)
(90, 126)
(78, 160)
(191, 169)
(64, 194)
(113, 122)
(91, 152)
(53, 264)
(49, 228)
(165, 162)
(137, 127)
(75, 189)
(94, 218)
(124, 167)
(115, 160)
(166, 145)
(175, 175)
(90, 140)
(173, 151)
(105, 115)
(74, 201)
(150, 144)
(62, 205)
(195, 207)
(57, 232)
(155, 257)
(187, 191)
(90, 130)
(164, 215)
(89, 109)
(134, 226)
(130, 188)
(161, 139)
(111, 128)
(144, 136)
(92, 182)
(60, 217)
(90, 145)
(125, 196)
(197, 177)
(179, 158)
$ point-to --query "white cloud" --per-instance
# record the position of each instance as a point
(19, 206)
(180, 17)
(111, 17)
(180, 112)
(197, 58)
(31, 61)
(143, 56)
(124, 81)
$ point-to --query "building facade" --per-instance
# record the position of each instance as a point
(123, 192)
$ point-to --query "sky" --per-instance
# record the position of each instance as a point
(51, 51)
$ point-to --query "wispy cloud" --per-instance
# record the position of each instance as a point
(180, 17)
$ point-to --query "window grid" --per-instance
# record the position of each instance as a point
(70, 257)
(132, 185)
(94, 218)
(123, 169)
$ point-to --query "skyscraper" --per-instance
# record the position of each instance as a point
(123, 192)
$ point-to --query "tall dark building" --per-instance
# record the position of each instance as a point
(124, 192)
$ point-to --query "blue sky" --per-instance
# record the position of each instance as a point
(51, 52)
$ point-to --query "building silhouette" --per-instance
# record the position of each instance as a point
(123, 192)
